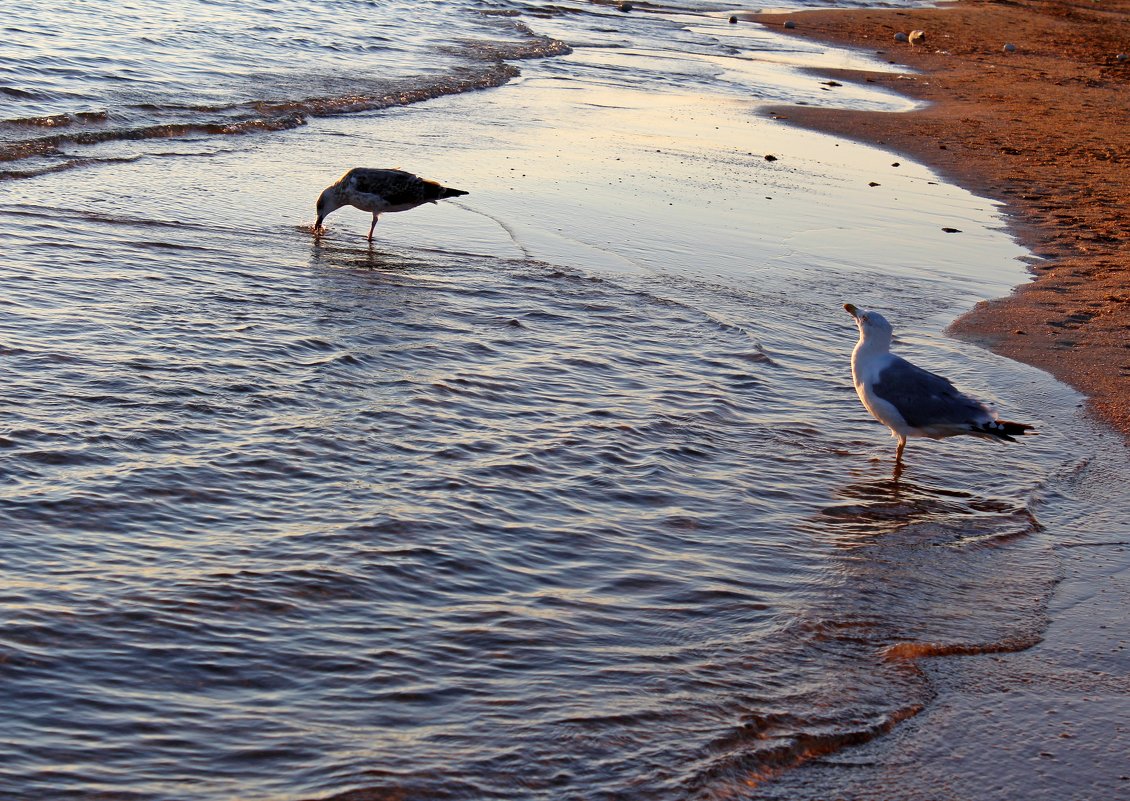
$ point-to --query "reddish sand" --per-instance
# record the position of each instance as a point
(1046, 130)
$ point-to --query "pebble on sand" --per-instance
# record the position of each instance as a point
(901, 37)
(770, 157)
(790, 24)
(1009, 48)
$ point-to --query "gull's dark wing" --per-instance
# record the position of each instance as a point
(925, 399)
(397, 187)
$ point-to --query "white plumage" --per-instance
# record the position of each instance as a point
(910, 401)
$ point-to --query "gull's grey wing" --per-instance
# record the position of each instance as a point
(925, 399)
(397, 187)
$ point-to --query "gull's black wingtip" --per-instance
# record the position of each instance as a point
(1007, 430)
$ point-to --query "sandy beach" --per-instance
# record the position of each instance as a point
(1040, 126)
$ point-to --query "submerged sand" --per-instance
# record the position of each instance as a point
(1043, 128)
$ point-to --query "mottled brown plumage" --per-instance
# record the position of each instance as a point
(379, 191)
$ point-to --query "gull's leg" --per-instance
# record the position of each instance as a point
(898, 451)
(371, 227)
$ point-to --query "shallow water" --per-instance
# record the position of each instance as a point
(557, 491)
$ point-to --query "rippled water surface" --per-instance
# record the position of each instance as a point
(446, 523)
(557, 491)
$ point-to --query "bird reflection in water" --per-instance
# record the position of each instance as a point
(328, 255)
(919, 512)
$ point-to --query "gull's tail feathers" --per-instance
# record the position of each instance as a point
(1004, 430)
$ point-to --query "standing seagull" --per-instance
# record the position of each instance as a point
(911, 401)
(379, 191)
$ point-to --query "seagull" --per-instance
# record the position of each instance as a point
(379, 191)
(913, 402)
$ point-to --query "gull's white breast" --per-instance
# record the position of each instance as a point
(865, 370)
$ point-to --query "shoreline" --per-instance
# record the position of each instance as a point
(1063, 186)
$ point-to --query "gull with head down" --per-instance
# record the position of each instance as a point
(379, 191)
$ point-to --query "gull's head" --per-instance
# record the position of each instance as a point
(873, 327)
(327, 202)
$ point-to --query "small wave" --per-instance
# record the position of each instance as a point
(52, 144)
(756, 752)
(531, 46)
(70, 164)
(60, 120)
(22, 94)
(254, 117)
(349, 104)
(912, 651)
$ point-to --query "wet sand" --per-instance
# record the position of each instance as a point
(1048, 723)
(1043, 129)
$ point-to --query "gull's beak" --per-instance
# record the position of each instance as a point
(318, 224)
(850, 309)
